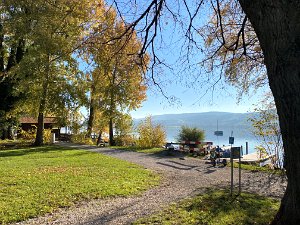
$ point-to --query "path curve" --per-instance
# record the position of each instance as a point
(181, 179)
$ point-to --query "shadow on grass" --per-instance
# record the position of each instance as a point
(23, 150)
(239, 209)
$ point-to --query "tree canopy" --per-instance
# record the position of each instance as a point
(117, 79)
(275, 26)
(245, 41)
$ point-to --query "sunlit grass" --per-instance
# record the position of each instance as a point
(34, 181)
(257, 168)
(217, 207)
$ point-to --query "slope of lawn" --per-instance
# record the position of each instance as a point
(217, 207)
(34, 181)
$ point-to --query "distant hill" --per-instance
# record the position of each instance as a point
(207, 121)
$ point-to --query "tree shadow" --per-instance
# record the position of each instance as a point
(250, 208)
(177, 165)
(31, 150)
(168, 154)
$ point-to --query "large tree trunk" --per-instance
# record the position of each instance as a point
(39, 138)
(277, 25)
(111, 133)
(91, 119)
(99, 139)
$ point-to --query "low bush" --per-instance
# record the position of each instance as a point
(82, 138)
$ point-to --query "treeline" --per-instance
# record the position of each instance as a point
(59, 56)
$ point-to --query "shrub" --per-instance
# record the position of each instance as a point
(125, 140)
(150, 135)
(47, 136)
(31, 134)
(81, 139)
(28, 135)
(190, 134)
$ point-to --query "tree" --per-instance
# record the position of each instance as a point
(190, 134)
(232, 46)
(57, 34)
(116, 82)
(277, 26)
(100, 124)
(266, 129)
(124, 129)
(150, 134)
(42, 36)
(12, 49)
(51, 31)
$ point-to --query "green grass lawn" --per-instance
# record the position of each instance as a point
(217, 207)
(34, 181)
(257, 168)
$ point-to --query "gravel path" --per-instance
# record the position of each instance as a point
(181, 178)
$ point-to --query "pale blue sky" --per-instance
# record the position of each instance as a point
(183, 68)
(171, 46)
(190, 102)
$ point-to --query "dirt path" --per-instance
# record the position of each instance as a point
(181, 178)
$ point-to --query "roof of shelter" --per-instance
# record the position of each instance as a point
(30, 120)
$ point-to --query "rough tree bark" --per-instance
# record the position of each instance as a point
(39, 138)
(91, 118)
(277, 25)
(111, 133)
(99, 139)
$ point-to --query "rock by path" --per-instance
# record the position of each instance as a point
(181, 179)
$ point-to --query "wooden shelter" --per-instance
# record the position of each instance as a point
(28, 123)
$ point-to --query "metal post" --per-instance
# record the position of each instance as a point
(240, 172)
(231, 162)
(246, 147)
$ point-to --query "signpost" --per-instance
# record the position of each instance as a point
(231, 142)
(235, 153)
(218, 133)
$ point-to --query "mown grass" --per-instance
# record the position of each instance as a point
(257, 168)
(139, 149)
(34, 181)
(217, 207)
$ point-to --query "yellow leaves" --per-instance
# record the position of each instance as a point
(209, 40)
(118, 75)
(150, 134)
(235, 61)
(257, 49)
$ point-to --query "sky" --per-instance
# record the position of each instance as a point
(177, 77)
(190, 102)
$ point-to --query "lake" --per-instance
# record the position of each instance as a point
(240, 139)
